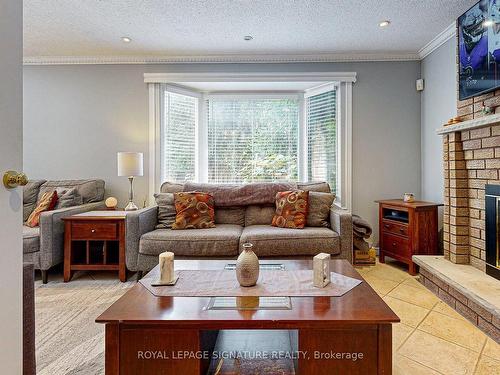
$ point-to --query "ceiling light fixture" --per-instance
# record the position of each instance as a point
(126, 39)
(488, 23)
(248, 38)
(384, 23)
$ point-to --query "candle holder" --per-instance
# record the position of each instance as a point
(321, 270)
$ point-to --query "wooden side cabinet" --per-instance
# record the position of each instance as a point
(407, 229)
(95, 241)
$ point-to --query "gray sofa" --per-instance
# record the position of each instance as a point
(44, 245)
(235, 225)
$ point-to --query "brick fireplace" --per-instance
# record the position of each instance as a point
(471, 161)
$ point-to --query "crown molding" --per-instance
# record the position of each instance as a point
(438, 41)
(250, 77)
(107, 60)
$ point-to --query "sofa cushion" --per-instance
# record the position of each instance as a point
(322, 187)
(318, 214)
(30, 196)
(291, 209)
(171, 187)
(31, 239)
(222, 240)
(66, 197)
(274, 241)
(230, 215)
(88, 190)
(166, 210)
(46, 203)
(259, 215)
(194, 210)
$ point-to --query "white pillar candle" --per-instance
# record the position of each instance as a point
(166, 267)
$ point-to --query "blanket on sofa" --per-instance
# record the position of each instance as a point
(242, 195)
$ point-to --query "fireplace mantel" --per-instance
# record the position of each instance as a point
(480, 122)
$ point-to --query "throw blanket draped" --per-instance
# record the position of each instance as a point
(361, 227)
(241, 195)
(361, 230)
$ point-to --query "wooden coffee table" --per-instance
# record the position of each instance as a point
(176, 335)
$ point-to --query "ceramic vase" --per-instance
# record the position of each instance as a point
(247, 266)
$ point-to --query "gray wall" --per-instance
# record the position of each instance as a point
(78, 117)
(439, 104)
(88, 113)
(11, 204)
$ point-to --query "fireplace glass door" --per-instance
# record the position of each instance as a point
(492, 205)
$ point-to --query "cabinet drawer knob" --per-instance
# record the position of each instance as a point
(386, 225)
(394, 244)
(92, 230)
(401, 230)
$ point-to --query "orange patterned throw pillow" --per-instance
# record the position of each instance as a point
(194, 210)
(46, 203)
(291, 209)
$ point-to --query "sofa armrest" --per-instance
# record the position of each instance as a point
(341, 222)
(136, 224)
(52, 232)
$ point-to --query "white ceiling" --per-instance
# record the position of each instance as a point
(216, 27)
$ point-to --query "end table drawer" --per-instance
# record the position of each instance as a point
(396, 245)
(395, 228)
(98, 231)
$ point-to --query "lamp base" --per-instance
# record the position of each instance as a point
(131, 206)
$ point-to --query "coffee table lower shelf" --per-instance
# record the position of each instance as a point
(153, 349)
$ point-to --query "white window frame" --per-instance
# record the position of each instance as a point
(341, 81)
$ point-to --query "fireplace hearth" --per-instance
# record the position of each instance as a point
(492, 226)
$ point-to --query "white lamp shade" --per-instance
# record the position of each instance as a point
(130, 164)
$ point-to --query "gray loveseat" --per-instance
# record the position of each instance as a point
(235, 225)
(44, 245)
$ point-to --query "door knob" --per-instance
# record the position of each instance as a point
(13, 179)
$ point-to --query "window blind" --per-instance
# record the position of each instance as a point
(252, 139)
(179, 120)
(321, 125)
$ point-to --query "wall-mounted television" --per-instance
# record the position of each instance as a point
(479, 49)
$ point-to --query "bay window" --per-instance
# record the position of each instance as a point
(252, 139)
(240, 137)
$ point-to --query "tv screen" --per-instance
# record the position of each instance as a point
(479, 49)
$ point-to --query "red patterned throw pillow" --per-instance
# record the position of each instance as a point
(46, 203)
(194, 210)
(291, 209)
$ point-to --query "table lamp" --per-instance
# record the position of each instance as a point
(130, 164)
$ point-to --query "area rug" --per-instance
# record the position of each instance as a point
(68, 340)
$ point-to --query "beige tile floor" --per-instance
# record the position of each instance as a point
(432, 338)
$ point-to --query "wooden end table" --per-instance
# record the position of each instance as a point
(407, 229)
(95, 241)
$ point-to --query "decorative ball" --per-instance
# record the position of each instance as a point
(111, 202)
